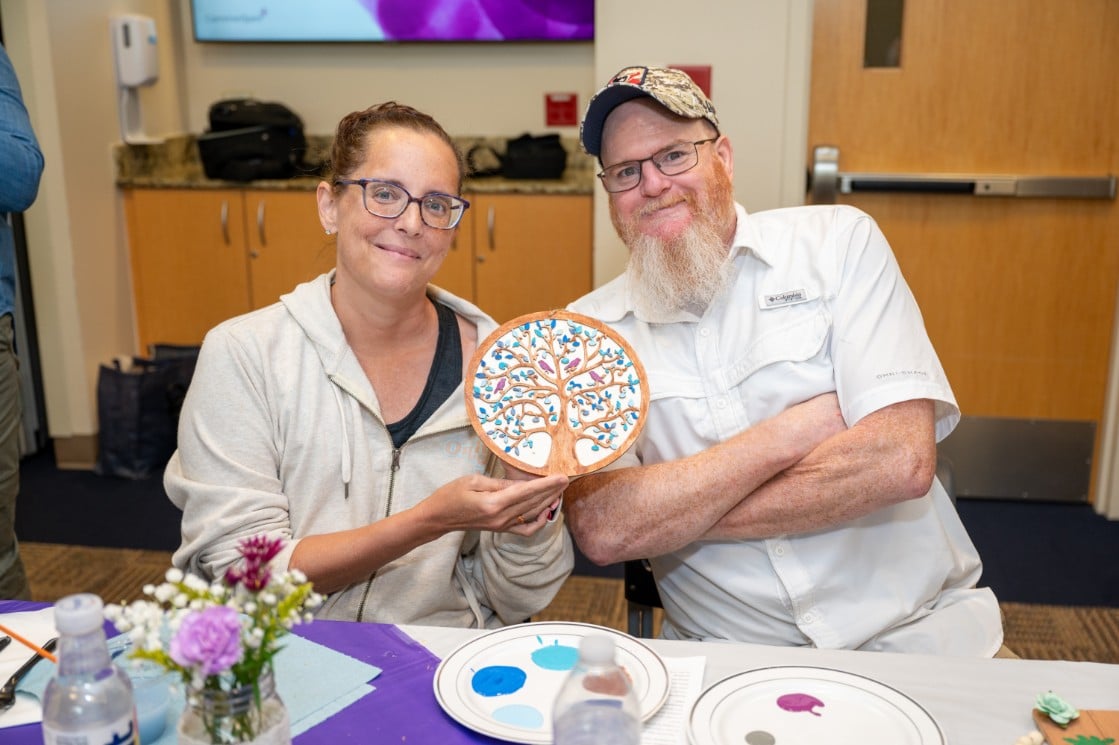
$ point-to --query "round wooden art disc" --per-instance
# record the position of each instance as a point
(556, 392)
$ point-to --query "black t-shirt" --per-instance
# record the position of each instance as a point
(442, 379)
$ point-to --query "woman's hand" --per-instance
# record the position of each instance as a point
(521, 504)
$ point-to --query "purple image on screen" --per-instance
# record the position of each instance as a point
(483, 20)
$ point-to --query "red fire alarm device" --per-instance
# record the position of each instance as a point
(701, 74)
(560, 109)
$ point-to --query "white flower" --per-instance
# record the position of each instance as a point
(165, 592)
(196, 583)
(268, 599)
(174, 575)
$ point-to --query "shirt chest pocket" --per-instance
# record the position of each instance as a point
(789, 361)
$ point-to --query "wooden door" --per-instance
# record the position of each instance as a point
(287, 244)
(532, 252)
(1018, 294)
(189, 267)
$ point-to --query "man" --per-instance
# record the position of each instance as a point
(21, 165)
(783, 487)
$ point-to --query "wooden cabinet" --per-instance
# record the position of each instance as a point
(286, 243)
(521, 253)
(201, 256)
(189, 266)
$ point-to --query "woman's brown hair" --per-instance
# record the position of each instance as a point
(349, 148)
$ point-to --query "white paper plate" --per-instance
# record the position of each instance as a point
(503, 683)
(793, 705)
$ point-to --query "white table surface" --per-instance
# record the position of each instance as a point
(975, 701)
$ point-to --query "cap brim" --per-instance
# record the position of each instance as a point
(600, 107)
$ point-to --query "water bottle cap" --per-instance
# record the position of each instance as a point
(597, 649)
(78, 614)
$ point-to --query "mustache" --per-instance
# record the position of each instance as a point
(664, 203)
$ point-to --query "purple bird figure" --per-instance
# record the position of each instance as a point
(571, 365)
(545, 366)
(596, 376)
(500, 386)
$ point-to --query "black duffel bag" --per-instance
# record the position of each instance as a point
(526, 157)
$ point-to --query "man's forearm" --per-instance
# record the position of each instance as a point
(652, 510)
(886, 458)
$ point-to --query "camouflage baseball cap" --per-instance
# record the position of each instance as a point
(673, 89)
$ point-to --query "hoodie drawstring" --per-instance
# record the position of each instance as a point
(347, 441)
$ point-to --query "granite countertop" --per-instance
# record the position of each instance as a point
(174, 164)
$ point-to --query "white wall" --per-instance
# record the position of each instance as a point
(79, 256)
(760, 57)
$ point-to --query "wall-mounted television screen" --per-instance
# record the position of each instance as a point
(392, 20)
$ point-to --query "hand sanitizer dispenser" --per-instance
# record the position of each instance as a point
(137, 64)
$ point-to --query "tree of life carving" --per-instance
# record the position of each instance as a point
(556, 392)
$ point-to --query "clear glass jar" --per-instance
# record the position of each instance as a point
(241, 715)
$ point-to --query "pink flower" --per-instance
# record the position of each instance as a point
(208, 640)
(253, 572)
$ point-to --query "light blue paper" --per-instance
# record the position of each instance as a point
(314, 682)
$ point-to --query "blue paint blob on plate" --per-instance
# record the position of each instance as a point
(556, 657)
(520, 715)
(498, 680)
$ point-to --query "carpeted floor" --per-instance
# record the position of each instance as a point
(1034, 631)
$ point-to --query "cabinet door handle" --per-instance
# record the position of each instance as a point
(225, 221)
(260, 226)
(491, 219)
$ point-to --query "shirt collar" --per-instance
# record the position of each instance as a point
(747, 239)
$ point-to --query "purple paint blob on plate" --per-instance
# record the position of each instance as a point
(800, 702)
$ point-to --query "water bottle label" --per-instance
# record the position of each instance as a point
(121, 732)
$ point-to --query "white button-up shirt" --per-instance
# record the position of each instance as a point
(816, 304)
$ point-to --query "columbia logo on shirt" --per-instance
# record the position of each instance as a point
(787, 297)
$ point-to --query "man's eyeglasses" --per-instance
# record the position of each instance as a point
(385, 199)
(672, 161)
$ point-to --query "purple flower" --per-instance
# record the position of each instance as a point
(209, 640)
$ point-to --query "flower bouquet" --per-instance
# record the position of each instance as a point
(220, 638)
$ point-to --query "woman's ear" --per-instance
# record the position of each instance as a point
(328, 207)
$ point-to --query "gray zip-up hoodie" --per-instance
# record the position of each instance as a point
(281, 434)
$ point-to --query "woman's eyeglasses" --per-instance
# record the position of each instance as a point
(385, 199)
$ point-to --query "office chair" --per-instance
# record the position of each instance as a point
(641, 597)
(641, 589)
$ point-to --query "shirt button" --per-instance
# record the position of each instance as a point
(704, 331)
(808, 618)
(721, 403)
(779, 549)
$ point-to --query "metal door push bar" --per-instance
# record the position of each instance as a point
(825, 181)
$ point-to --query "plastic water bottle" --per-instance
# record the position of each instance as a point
(89, 699)
(597, 703)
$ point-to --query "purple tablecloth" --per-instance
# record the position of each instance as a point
(402, 709)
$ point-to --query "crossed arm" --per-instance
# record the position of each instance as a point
(800, 471)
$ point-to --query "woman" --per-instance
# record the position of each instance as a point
(335, 418)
